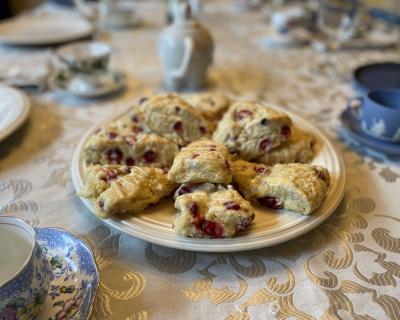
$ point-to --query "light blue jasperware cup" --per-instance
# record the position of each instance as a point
(378, 112)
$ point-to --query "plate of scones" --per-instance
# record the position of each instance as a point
(208, 173)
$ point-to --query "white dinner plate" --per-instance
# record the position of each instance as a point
(44, 29)
(270, 227)
(14, 109)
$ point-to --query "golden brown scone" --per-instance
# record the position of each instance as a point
(250, 129)
(202, 161)
(168, 115)
(297, 187)
(211, 211)
(299, 148)
(129, 192)
(110, 146)
(211, 105)
(99, 177)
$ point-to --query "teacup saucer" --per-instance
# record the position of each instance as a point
(76, 277)
(293, 39)
(65, 82)
(353, 127)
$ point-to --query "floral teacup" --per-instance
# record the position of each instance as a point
(25, 273)
(85, 56)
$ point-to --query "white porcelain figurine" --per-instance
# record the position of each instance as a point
(185, 49)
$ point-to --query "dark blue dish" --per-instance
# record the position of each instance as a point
(353, 127)
(69, 3)
(384, 15)
(377, 76)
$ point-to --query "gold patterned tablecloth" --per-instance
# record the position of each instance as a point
(347, 268)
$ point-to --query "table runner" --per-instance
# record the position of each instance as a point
(347, 268)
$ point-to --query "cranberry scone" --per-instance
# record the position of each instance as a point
(99, 177)
(250, 129)
(127, 193)
(299, 148)
(211, 105)
(296, 186)
(202, 161)
(211, 211)
(110, 146)
(132, 121)
(170, 116)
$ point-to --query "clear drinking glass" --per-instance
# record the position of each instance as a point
(338, 20)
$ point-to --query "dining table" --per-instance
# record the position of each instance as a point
(346, 268)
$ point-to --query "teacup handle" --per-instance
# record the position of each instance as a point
(354, 108)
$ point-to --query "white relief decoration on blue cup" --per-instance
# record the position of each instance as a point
(396, 136)
(378, 127)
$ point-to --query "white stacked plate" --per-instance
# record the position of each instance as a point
(44, 29)
(14, 109)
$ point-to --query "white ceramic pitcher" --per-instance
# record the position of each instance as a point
(185, 49)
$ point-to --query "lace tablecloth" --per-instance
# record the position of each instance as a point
(347, 268)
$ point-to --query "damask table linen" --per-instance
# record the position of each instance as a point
(347, 268)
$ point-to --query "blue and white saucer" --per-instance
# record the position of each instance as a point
(353, 128)
(76, 277)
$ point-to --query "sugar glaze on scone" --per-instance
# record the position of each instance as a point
(129, 192)
(299, 148)
(211, 105)
(211, 211)
(170, 116)
(99, 177)
(109, 146)
(202, 161)
(250, 129)
(297, 187)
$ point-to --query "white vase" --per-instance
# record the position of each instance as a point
(185, 49)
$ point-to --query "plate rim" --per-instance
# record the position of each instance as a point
(10, 40)
(26, 108)
(198, 245)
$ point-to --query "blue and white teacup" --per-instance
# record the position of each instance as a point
(25, 273)
(379, 113)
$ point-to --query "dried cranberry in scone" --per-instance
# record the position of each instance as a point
(295, 186)
(251, 129)
(217, 213)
